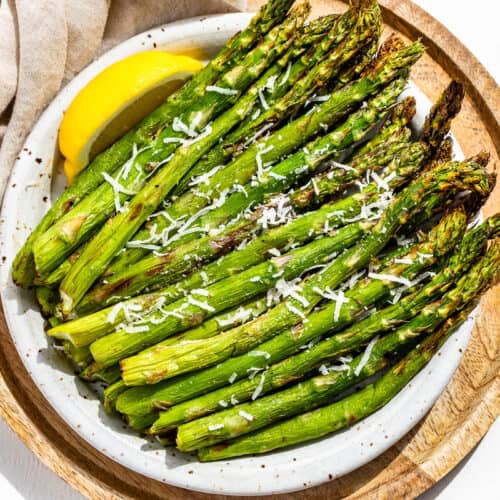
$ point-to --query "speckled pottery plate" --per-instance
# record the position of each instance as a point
(37, 178)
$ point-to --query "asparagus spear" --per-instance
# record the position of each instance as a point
(139, 423)
(360, 297)
(400, 116)
(77, 225)
(468, 251)
(319, 391)
(352, 71)
(107, 162)
(312, 32)
(92, 373)
(193, 309)
(111, 394)
(86, 269)
(80, 357)
(47, 299)
(294, 71)
(319, 72)
(158, 271)
(443, 153)
(209, 328)
(363, 205)
(151, 368)
(343, 413)
(275, 90)
(278, 144)
(437, 123)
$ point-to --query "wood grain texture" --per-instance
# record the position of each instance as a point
(457, 421)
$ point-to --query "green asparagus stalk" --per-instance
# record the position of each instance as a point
(320, 71)
(166, 440)
(399, 118)
(209, 328)
(278, 144)
(111, 394)
(319, 391)
(77, 225)
(276, 90)
(352, 71)
(359, 206)
(159, 271)
(437, 123)
(312, 32)
(297, 366)
(194, 309)
(79, 279)
(165, 363)
(443, 154)
(92, 373)
(360, 298)
(91, 177)
(80, 357)
(47, 299)
(338, 415)
(139, 423)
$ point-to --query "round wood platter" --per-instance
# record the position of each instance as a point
(459, 418)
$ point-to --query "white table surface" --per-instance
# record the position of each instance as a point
(23, 476)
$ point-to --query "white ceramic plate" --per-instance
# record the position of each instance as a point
(28, 196)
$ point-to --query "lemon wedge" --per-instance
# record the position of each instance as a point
(117, 99)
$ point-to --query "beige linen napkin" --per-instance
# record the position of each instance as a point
(44, 43)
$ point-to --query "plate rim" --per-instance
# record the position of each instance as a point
(405, 2)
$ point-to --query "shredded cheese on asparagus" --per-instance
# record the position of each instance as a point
(221, 90)
(256, 393)
(366, 356)
(245, 415)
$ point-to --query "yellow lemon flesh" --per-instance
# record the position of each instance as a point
(116, 100)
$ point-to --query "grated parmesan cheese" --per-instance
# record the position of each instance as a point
(220, 90)
(338, 297)
(117, 190)
(202, 305)
(215, 427)
(245, 415)
(258, 159)
(274, 251)
(240, 316)
(286, 75)
(294, 310)
(405, 260)
(263, 101)
(256, 393)
(205, 178)
(259, 353)
(259, 132)
(366, 356)
(391, 277)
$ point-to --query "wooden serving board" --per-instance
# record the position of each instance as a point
(458, 420)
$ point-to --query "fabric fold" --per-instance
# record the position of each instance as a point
(45, 43)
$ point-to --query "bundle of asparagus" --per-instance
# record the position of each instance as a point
(260, 225)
